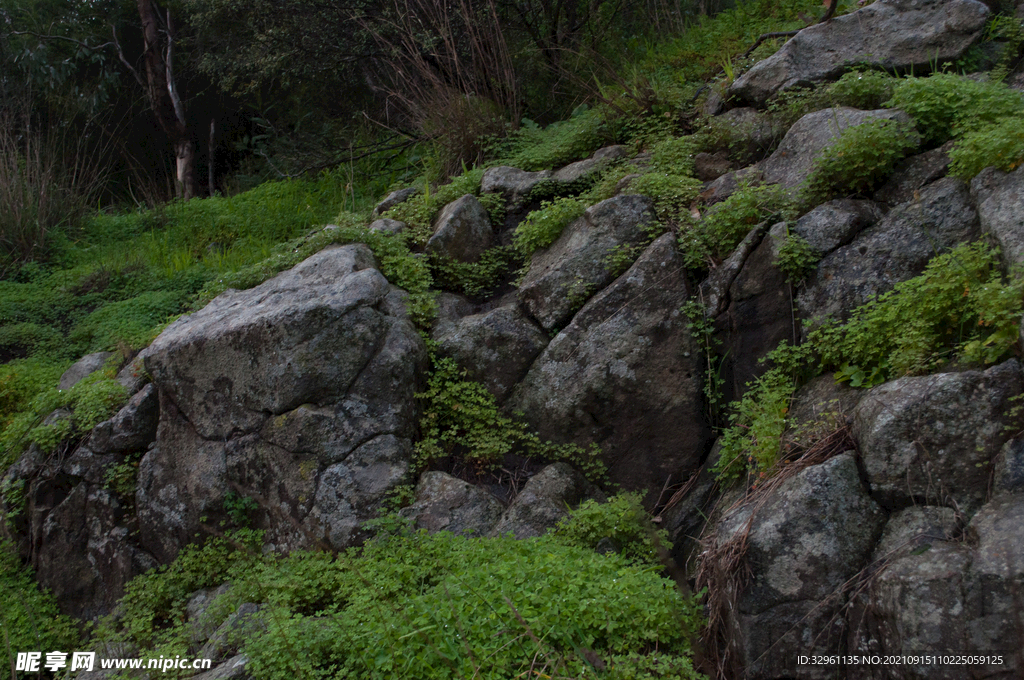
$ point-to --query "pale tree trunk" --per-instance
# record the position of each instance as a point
(162, 92)
(185, 157)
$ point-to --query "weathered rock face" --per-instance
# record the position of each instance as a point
(888, 34)
(393, 199)
(759, 315)
(993, 581)
(1009, 468)
(930, 589)
(747, 133)
(836, 223)
(445, 503)
(810, 536)
(387, 226)
(714, 290)
(84, 551)
(574, 172)
(495, 347)
(547, 497)
(626, 374)
(913, 174)
(1000, 196)
(894, 250)
(794, 159)
(82, 368)
(134, 426)
(462, 231)
(297, 393)
(915, 606)
(514, 184)
(933, 439)
(711, 166)
(78, 535)
(564, 275)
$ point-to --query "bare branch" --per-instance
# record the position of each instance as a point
(172, 88)
(120, 54)
(43, 36)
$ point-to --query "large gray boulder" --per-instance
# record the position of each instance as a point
(462, 231)
(1000, 200)
(297, 393)
(993, 584)
(746, 133)
(1009, 468)
(446, 503)
(132, 428)
(759, 315)
(836, 223)
(913, 174)
(804, 542)
(495, 347)
(889, 34)
(574, 172)
(83, 368)
(84, 551)
(934, 438)
(626, 374)
(513, 184)
(393, 199)
(895, 249)
(563, 276)
(915, 606)
(547, 497)
(793, 160)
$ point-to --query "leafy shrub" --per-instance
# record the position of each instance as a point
(861, 157)
(623, 520)
(726, 223)
(675, 156)
(696, 54)
(461, 417)
(945, 105)
(130, 322)
(153, 602)
(533, 148)
(479, 278)
(1000, 144)
(424, 606)
(757, 422)
(672, 194)
(865, 90)
(789, 106)
(543, 226)
(29, 617)
(959, 307)
(95, 398)
(796, 258)
(21, 339)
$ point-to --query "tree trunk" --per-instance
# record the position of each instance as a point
(162, 93)
(209, 164)
(185, 163)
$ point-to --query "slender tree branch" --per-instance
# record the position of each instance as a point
(44, 36)
(120, 54)
(172, 88)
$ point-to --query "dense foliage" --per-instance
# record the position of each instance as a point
(440, 606)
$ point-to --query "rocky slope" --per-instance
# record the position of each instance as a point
(903, 536)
